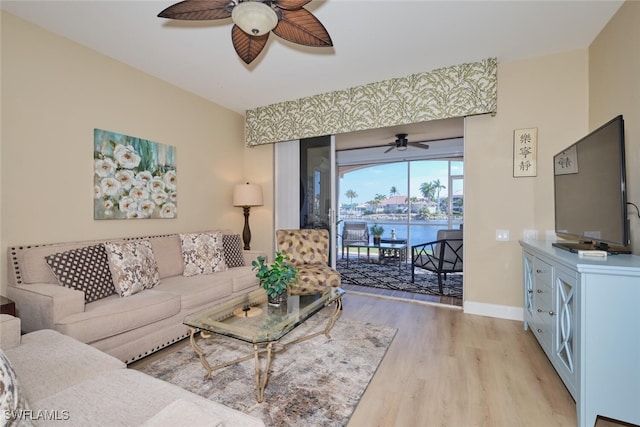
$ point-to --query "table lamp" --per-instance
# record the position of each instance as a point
(247, 195)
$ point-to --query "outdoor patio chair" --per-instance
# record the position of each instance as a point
(354, 232)
(308, 251)
(441, 256)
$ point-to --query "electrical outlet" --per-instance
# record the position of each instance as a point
(502, 235)
(530, 234)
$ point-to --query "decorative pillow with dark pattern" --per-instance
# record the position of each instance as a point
(233, 250)
(85, 269)
(12, 402)
(133, 266)
(202, 253)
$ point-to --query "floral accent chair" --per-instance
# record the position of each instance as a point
(308, 250)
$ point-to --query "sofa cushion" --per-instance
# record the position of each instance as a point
(130, 398)
(47, 362)
(168, 253)
(9, 332)
(185, 413)
(133, 266)
(202, 253)
(34, 267)
(318, 274)
(244, 278)
(85, 269)
(198, 290)
(233, 250)
(114, 315)
(11, 397)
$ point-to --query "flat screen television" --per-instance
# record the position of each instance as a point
(590, 192)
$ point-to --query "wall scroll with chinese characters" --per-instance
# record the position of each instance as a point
(525, 151)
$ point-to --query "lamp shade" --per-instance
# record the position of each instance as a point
(247, 195)
(254, 17)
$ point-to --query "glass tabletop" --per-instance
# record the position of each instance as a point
(250, 318)
(377, 246)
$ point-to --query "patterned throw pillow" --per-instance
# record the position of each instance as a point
(232, 250)
(85, 269)
(202, 253)
(12, 402)
(133, 266)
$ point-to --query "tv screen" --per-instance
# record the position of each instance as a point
(590, 193)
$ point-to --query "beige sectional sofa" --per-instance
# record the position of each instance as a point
(130, 327)
(65, 382)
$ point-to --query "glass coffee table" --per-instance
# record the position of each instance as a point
(251, 319)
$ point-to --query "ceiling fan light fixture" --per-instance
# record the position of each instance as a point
(254, 17)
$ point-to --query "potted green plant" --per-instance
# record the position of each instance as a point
(276, 277)
(376, 232)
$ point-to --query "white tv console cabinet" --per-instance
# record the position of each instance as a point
(584, 313)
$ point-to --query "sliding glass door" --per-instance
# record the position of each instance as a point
(305, 185)
(317, 186)
(411, 200)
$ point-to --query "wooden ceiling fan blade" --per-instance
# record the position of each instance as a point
(301, 27)
(417, 144)
(199, 10)
(291, 4)
(247, 47)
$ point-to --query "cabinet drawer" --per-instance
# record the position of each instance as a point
(542, 271)
(542, 329)
(542, 300)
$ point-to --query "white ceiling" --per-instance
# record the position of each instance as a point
(373, 40)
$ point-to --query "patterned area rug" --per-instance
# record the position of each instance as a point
(385, 276)
(314, 383)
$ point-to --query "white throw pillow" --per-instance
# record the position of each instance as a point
(202, 253)
(13, 406)
(133, 266)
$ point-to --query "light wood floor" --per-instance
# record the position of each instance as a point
(446, 368)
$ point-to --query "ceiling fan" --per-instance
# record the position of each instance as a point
(401, 143)
(254, 19)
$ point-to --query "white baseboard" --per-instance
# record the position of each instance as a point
(494, 310)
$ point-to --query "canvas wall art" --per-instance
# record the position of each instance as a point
(133, 178)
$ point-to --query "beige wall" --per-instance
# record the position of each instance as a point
(259, 169)
(548, 93)
(614, 88)
(54, 93)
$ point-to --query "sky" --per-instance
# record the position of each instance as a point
(379, 179)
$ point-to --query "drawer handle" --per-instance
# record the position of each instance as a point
(551, 313)
(539, 330)
(538, 271)
(530, 291)
(539, 291)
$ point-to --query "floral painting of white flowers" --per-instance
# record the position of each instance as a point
(133, 178)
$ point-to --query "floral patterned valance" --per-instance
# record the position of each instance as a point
(457, 91)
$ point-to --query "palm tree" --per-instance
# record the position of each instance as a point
(413, 200)
(393, 191)
(427, 190)
(437, 186)
(377, 201)
(351, 195)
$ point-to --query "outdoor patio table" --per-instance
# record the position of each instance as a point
(386, 251)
